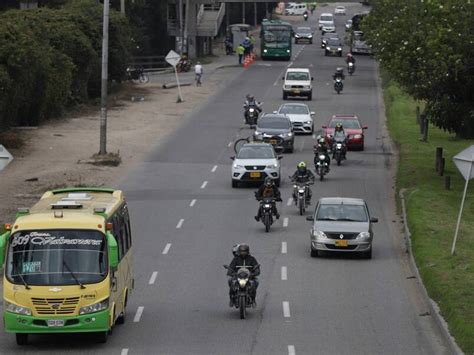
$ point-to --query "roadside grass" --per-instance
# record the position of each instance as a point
(432, 213)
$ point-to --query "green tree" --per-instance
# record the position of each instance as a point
(428, 47)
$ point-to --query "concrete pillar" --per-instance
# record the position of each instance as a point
(191, 20)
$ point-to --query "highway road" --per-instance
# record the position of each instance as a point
(186, 217)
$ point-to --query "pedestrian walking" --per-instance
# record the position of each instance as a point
(198, 73)
(240, 52)
(246, 43)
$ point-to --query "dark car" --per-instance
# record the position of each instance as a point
(276, 130)
(352, 127)
(334, 47)
(326, 37)
(303, 34)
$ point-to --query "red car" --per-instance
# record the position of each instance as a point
(354, 131)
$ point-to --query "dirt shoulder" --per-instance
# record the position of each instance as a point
(51, 154)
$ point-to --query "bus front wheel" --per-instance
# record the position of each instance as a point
(102, 336)
(21, 338)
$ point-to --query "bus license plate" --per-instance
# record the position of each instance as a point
(254, 175)
(341, 243)
(56, 323)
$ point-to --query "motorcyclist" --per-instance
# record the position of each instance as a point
(321, 148)
(350, 59)
(303, 175)
(242, 257)
(268, 190)
(339, 74)
(251, 102)
(339, 136)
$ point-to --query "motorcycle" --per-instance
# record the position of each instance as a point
(137, 75)
(241, 287)
(267, 212)
(339, 150)
(338, 85)
(305, 17)
(321, 165)
(350, 68)
(251, 115)
(301, 192)
(184, 65)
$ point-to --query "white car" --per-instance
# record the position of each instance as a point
(300, 116)
(325, 19)
(328, 28)
(297, 82)
(254, 162)
(340, 10)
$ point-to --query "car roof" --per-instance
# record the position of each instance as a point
(257, 144)
(340, 7)
(293, 104)
(274, 116)
(341, 200)
(345, 117)
(289, 70)
(326, 14)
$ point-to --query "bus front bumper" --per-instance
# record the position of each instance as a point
(93, 322)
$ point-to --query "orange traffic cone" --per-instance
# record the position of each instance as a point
(246, 61)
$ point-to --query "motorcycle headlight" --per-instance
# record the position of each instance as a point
(14, 308)
(251, 110)
(363, 235)
(267, 205)
(272, 166)
(339, 49)
(338, 145)
(319, 234)
(322, 157)
(243, 282)
(300, 191)
(96, 307)
(357, 136)
(238, 166)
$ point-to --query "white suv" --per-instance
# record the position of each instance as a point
(297, 82)
(326, 19)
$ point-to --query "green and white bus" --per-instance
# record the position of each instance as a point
(276, 39)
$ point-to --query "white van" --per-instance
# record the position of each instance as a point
(296, 9)
(326, 19)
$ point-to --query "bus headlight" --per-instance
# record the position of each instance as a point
(96, 307)
(287, 51)
(265, 51)
(13, 308)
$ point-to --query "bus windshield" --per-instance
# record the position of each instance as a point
(277, 36)
(57, 257)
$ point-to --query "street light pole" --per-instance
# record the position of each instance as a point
(104, 80)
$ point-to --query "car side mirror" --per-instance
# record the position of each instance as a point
(312, 113)
(232, 158)
(365, 127)
(3, 244)
(324, 126)
(280, 157)
(113, 251)
(312, 78)
(310, 218)
(374, 219)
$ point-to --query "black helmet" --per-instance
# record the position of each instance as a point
(244, 250)
(268, 181)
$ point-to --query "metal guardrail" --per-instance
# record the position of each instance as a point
(151, 63)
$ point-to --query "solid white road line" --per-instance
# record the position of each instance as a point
(214, 169)
(180, 223)
(153, 278)
(204, 184)
(286, 309)
(284, 273)
(124, 352)
(290, 201)
(138, 315)
(291, 350)
(283, 247)
(166, 249)
(193, 202)
(285, 222)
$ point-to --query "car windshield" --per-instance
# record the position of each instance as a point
(274, 124)
(340, 7)
(303, 30)
(57, 257)
(294, 109)
(342, 212)
(358, 36)
(333, 42)
(256, 152)
(326, 18)
(297, 76)
(351, 124)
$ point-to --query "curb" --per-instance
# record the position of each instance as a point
(433, 306)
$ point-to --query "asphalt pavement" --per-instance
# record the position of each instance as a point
(186, 217)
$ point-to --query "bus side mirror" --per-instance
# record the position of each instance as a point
(3, 244)
(113, 250)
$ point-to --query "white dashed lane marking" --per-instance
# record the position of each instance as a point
(283, 247)
(166, 249)
(214, 169)
(138, 315)
(193, 202)
(290, 201)
(284, 273)
(204, 184)
(285, 222)
(291, 350)
(153, 278)
(180, 223)
(286, 309)
(124, 352)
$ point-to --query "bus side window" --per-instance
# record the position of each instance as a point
(117, 229)
(128, 231)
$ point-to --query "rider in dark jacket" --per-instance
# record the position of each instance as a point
(268, 190)
(243, 258)
(303, 175)
(321, 148)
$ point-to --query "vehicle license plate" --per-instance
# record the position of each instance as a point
(254, 175)
(296, 91)
(273, 141)
(55, 322)
(341, 243)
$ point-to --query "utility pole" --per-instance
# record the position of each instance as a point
(243, 12)
(104, 80)
(181, 27)
(122, 6)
